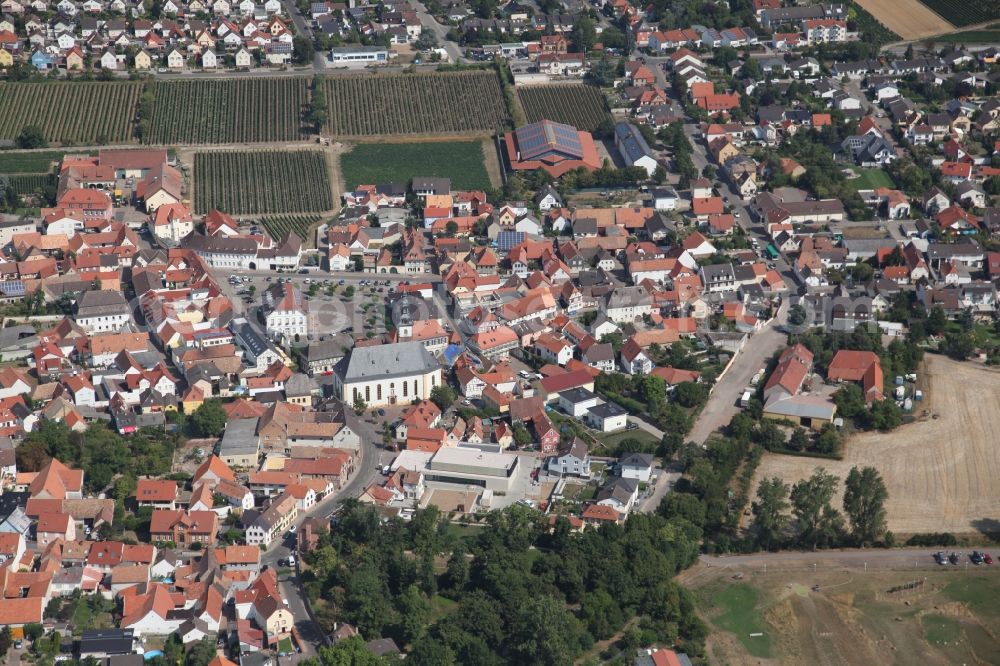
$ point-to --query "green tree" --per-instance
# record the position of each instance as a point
(818, 522)
(555, 641)
(796, 315)
(936, 321)
(443, 396)
(584, 34)
(430, 652)
(347, 652)
(456, 574)
(864, 503)
(413, 613)
(691, 394)
(303, 50)
(32, 136)
(602, 614)
(209, 420)
(33, 631)
(521, 435)
(202, 653)
(769, 510)
(799, 441)
(603, 72)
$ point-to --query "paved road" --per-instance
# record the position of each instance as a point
(441, 32)
(291, 590)
(895, 558)
(303, 28)
(347, 276)
(723, 404)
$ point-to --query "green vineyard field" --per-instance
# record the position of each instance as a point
(278, 225)
(434, 103)
(583, 107)
(228, 111)
(70, 112)
(259, 182)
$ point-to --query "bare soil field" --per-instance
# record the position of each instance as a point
(850, 618)
(907, 18)
(941, 472)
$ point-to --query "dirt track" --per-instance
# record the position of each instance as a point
(942, 474)
(909, 19)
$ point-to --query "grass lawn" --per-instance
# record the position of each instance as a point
(464, 532)
(741, 616)
(461, 161)
(869, 179)
(940, 629)
(440, 606)
(612, 439)
(33, 162)
(285, 646)
(979, 593)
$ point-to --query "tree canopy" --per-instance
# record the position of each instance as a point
(498, 583)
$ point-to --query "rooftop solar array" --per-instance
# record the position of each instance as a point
(12, 288)
(509, 239)
(545, 138)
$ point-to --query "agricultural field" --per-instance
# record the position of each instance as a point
(82, 113)
(910, 19)
(898, 617)
(246, 110)
(964, 13)
(941, 470)
(436, 103)
(37, 161)
(259, 182)
(278, 225)
(462, 161)
(990, 35)
(28, 183)
(581, 106)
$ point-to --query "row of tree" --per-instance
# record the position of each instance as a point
(803, 515)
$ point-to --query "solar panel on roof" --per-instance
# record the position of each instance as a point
(12, 288)
(508, 239)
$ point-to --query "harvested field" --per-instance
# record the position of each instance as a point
(941, 472)
(909, 19)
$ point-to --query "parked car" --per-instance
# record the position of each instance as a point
(953, 558)
(976, 557)
(987, 558)
(940, 557)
